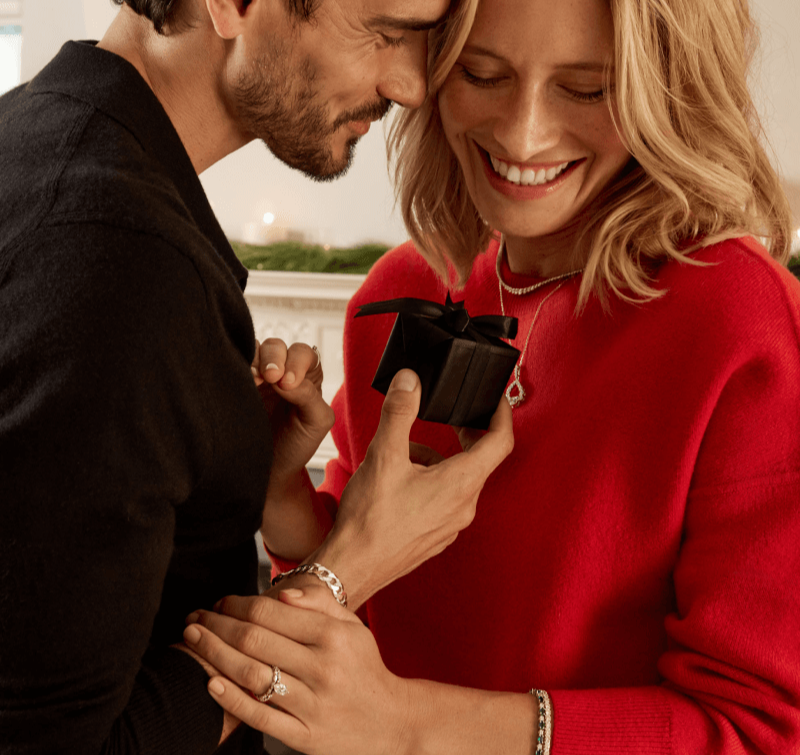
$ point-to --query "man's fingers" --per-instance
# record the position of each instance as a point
(424, 455)
(485, 451)
(399, 411)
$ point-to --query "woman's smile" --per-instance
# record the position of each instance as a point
(526, 181)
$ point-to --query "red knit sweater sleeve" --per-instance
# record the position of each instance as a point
(732, 665)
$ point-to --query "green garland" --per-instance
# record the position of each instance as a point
(309, 258)
(794, 265)
(296, 257)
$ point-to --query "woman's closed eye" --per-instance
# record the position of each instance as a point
(588, 97)
(480, 81)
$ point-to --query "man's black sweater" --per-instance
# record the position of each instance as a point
(134, 449)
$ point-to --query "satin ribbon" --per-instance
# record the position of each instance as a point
(450, 316)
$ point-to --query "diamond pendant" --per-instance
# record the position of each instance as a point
(515, 393)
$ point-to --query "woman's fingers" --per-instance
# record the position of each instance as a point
(228, 643)
(313, 598)
(255, 366)
(260, 716)
(287, 367)
(288, 621)
(270, 359)
(249, 663)
(337, 688)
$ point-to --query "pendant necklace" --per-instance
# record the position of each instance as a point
(515, 393)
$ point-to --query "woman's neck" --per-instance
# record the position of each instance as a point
(543, 256)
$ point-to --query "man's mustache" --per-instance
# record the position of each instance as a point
(374, 111)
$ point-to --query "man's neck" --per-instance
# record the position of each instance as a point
(184, 71)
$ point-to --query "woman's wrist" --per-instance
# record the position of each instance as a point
(440, 719)
(295, 522)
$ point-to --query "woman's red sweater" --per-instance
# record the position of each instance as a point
(638, 554)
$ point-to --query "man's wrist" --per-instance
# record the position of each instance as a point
(323, 574)
(344, 553)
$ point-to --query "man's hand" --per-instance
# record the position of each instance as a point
(340, 698)
(395, 514)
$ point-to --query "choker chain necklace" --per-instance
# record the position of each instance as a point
(515, 393)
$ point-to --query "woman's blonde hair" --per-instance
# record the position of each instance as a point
(699, 173)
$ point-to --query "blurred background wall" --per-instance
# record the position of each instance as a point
(251, 184)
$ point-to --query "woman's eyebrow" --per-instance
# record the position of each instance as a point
(590, 66)
(472, 49)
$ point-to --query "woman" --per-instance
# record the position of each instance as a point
(636, 555)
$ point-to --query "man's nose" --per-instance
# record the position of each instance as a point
(405, 80)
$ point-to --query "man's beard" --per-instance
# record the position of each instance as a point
(279, 105)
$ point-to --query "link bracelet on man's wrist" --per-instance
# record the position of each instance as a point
(321, 573)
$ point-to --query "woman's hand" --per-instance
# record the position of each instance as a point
(290, 382)
(340, 698)
(289, 379)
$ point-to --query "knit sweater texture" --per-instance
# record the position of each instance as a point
(637, 553)
(134, 448)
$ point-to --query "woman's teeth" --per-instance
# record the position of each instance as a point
(527, 176)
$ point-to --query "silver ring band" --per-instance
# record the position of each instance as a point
(276, 687)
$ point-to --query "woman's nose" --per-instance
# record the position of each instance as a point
(528, 125)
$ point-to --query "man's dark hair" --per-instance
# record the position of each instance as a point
(158, 11)
(161, 12)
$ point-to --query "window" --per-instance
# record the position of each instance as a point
(10, 57)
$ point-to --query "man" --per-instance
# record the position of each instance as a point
(134, 447)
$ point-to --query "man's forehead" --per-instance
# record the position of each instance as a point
(408, 15)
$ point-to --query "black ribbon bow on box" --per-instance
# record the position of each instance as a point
(461, 361)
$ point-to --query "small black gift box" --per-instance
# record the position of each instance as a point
(461, 361)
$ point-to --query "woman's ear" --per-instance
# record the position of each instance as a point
(228, 16)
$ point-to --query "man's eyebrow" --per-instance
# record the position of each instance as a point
(590, 66)
(396, 23)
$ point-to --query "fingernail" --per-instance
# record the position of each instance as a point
(270, 366)
(405, 380)
(215, 687)
(254, 371)
(192, 634)
(293, 592)
(288, 377)
(192, 617)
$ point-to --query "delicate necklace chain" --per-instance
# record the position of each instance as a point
(527, 289)
(515, 393)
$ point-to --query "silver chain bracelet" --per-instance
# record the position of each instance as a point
(321, 573)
